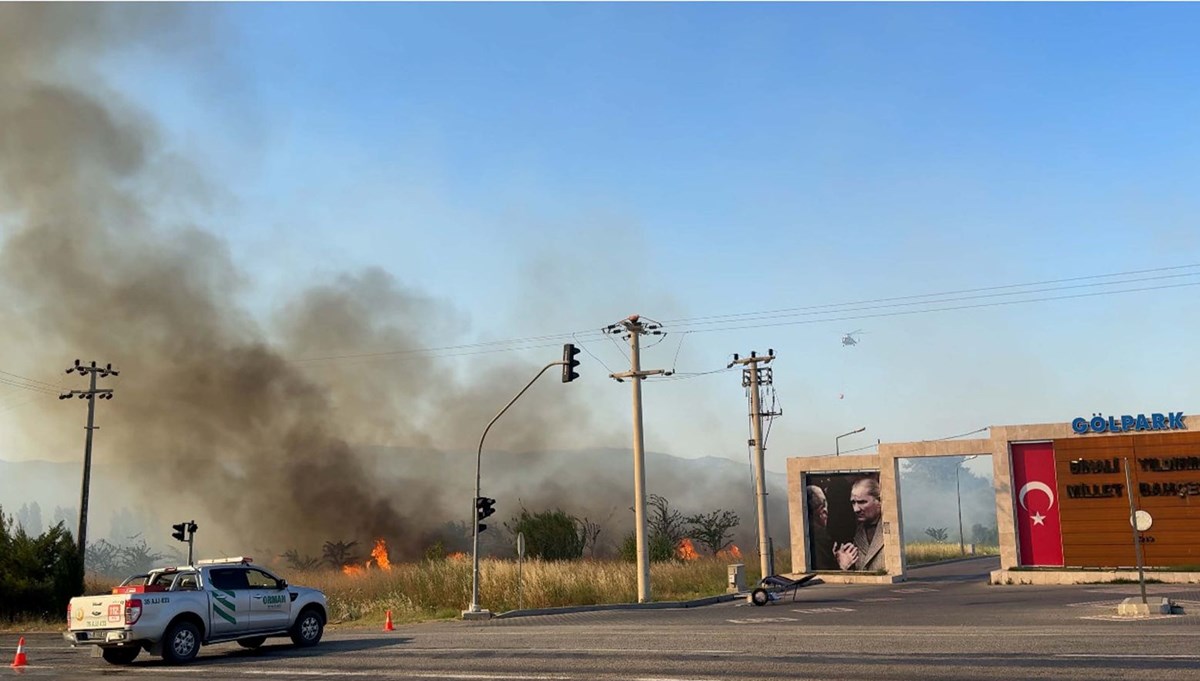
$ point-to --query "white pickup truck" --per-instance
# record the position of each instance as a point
(172, 611)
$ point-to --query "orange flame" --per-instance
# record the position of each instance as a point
(379, 553)
(686, 550)
(457, 555)
(732, 552)
(379, 556)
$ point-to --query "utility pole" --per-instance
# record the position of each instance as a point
(90, 395)
(752, 378)
(632, 328)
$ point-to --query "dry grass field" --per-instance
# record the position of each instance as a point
(440, 589)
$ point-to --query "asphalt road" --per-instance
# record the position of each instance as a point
(945, 623)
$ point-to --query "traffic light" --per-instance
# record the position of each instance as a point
(569, 352)
(190, 528)
(483, 509)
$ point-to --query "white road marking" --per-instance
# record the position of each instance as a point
(878, 600)
(913, 590)
(1137, 656)
(649, 651)
(820, 611)
(375, 674)
(763, 620)
(670, 678)
(408, 674)
(1126, 618)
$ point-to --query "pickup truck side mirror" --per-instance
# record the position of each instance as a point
(281, 584)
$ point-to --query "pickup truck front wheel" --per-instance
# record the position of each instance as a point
(121, 654)
(181, 643)
(308, 628)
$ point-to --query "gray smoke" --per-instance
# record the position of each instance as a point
(224, 425)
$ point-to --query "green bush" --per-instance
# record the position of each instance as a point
(38, 575)
(659, 547)
(549, 535)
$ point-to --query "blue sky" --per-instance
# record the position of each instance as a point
(547, 168)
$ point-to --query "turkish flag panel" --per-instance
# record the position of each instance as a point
(1039, 533)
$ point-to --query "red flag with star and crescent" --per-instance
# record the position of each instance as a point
(1039, 532)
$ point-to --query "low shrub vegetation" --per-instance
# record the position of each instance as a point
(919, 553)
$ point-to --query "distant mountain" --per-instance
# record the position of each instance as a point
(593, 483)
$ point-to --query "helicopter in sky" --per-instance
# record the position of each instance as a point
(849, 339)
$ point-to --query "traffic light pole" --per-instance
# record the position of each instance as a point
(189, 528)
(474, 611)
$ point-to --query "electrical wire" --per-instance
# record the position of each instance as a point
(25, 386)
(770, 316)
(771, 414)
(943, 309)
(859, 449)
(683, 376)
(592, 354)
(620, 348)
(834, 312)
(750, 459)
(30, 380)
(1194, 266)
(951, 437)
(10, 407)
(675, 361)
(450, 348)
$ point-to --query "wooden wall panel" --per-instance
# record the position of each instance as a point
(1095, 529)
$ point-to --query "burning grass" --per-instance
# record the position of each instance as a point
(442, 588)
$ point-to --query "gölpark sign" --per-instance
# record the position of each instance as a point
(1073, 496)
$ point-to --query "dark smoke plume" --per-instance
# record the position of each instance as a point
(221, 422)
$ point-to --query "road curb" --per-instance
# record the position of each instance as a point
(658, 605)
(948, 561)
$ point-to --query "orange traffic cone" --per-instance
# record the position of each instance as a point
(387, 624)
(19, 660)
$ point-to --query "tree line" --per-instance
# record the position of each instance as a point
(38, 574)
(554, 534)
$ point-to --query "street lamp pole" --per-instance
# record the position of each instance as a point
(474, 609)
(962, 546)
(837, 448)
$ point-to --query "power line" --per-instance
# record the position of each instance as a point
(471, 348)
(833, 312)
(683, 376)
(859, 449)
(592, 354)
(951, 437)
(767, 316)
(30, 380)
(25, 386)
(944, 294)
(945, 309)
(14, 405)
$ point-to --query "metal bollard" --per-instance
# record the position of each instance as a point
(737, 578)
